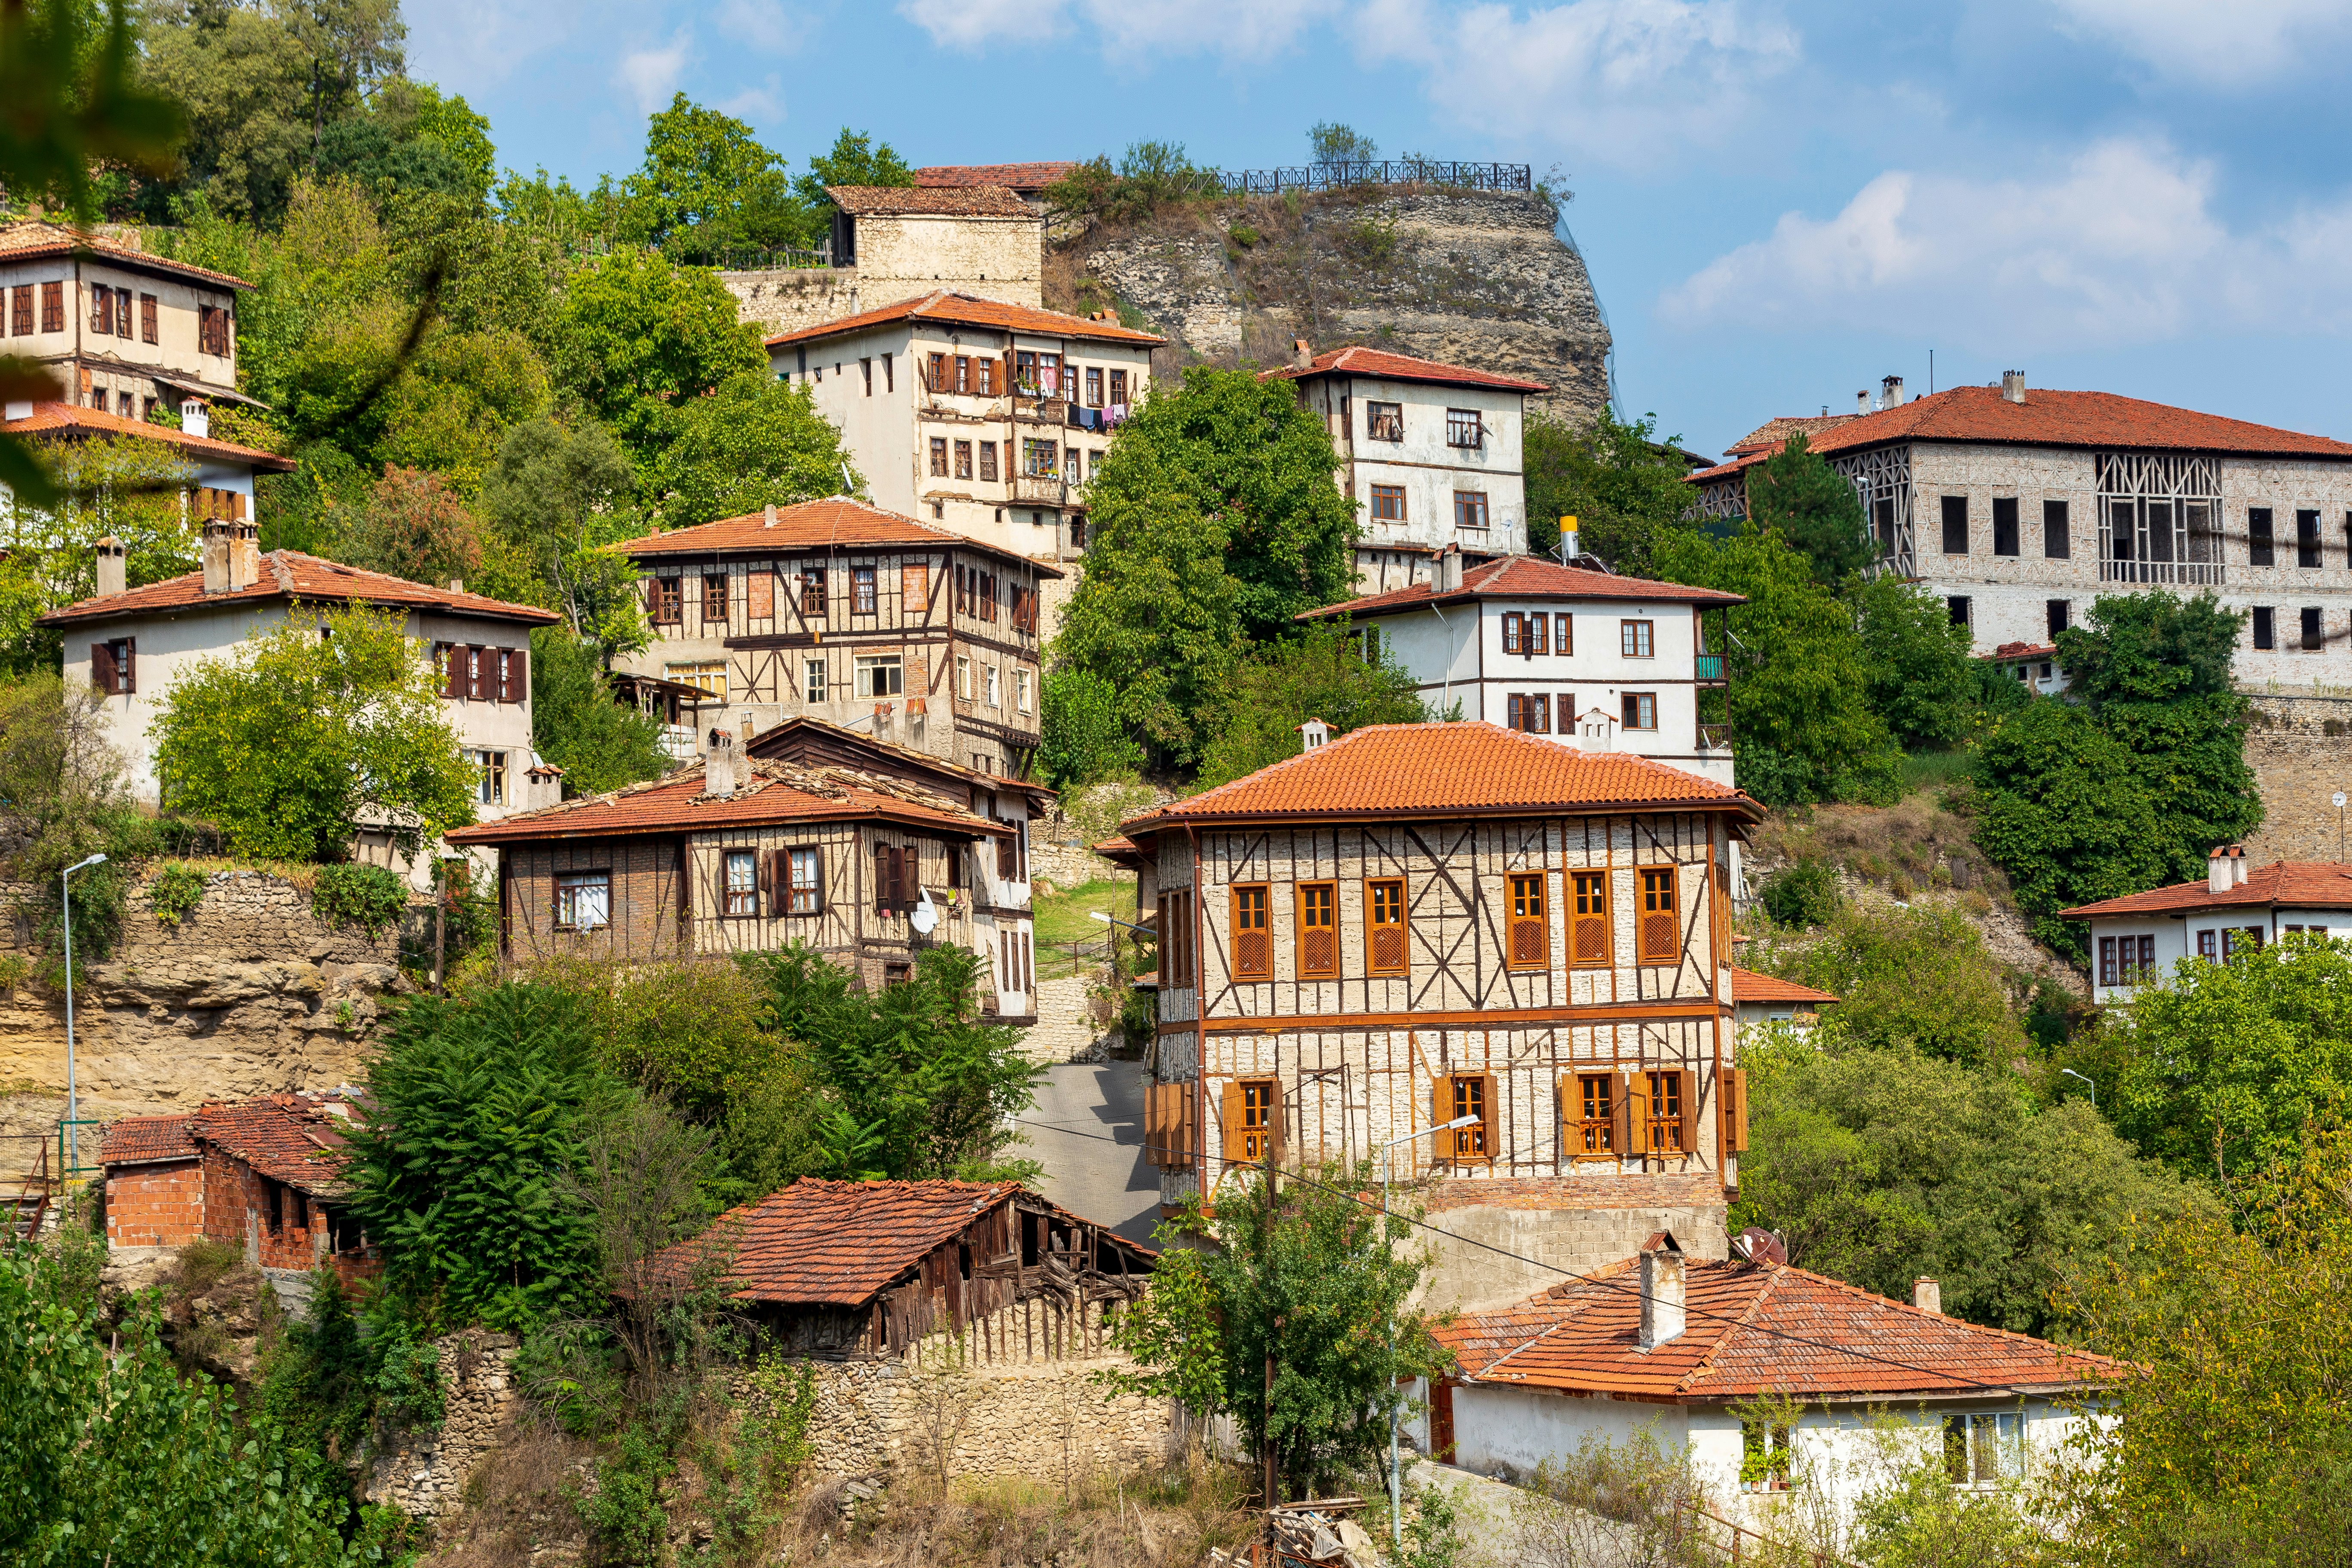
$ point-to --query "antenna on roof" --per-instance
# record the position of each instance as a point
(848, 490)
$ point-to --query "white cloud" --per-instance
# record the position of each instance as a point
(765, 27)
(2120, 245)
(2235, 43)
(975, 24)
(650, 76)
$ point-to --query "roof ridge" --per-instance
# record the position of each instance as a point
(1706, 1363)
(1876, 1299)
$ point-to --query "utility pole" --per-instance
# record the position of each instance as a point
(1266, 1271)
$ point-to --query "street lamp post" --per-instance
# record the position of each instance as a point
(73, 1105)
(1396, 1482)
(2070, 1073)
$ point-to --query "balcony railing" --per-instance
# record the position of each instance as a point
(1031, 404)
(1710, 670)
(1039, 490)
(2194, 572)
(1714, 736)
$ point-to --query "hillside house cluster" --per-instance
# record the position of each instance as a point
(123, 330)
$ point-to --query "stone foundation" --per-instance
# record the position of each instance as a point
(424, 1475)
(2301, 751)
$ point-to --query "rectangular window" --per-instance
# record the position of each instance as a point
(812, 595)
(1074, 466)
(1467, 1093)
(1253, 941)
(1037, 459)
(862, 600)
(2058, 614)
(1260, 1105)
(1638, 639)
(1529, 711)
(963, 678)
(714, 596)
(1388, 503)
(803, 867)
(935, 373)
(708, 676)
(743, 891)
(1563, 635)
(2306, 539)
(2004, 525)
(988, 462)
(1536, 629)
(1640, 711)
(1318, 931)
(53, 307)
(1589, 918)
(1662, 931)
(990, 693)
(1956, 525)
(2258, 536)
(984, 377)
(964, 373)
(964, 459)
(123, 313)
(914, 588)
(148, 327)
(1021, 690)
(1387, 950)
(1470, 509)
(1515, 635)
(1094, 386)
(1463, 428)
(1384, 421)
(20, 310)
(2054, 544)
(2265, 636)
(2209, 946)
(1956, 607)
(2311, 637)
(1596, 1113)
(812, 680)
(939, 457)
(583, 900)
(1531, 927)
(664, 600)
(1663, 1126)
(1984, 1449)
(880, 675)
(493, 789)
(1119, 389)
(2108, 966)
(102, 310)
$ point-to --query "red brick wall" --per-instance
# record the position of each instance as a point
(233, 1189)
(156, 1205)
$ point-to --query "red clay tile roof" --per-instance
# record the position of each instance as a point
(1012, 176)
(1747, 986)
(1525, 577)
(771, 742)
(31, 241)
(1400, 367)
(969, 311)
(1751, 1328)
(2098, 419)
(65, 421)
(290, 1137)
(2301, 884)
(290, 575)
(1466, 769)
(928, 201)
(836, 522)
(2021, 650)
(148, 1140)
(1772, 433)
(776, 793)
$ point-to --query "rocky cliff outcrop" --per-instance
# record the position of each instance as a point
(1480, 279)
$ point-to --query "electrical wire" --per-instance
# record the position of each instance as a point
(1727, 1319)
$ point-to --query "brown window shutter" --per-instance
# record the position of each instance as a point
(1441, 1112)
(101, 668)
(1567, 1103)
(128, 673)
(1731, 1083)
(453, 672)
(1490, 1123)
(1631, 1090)
(881, 878)
(1277, 1123)
(1690, 1109)
(521, 669)
(653, 598)
(1229, 1125)
(1153, 1101)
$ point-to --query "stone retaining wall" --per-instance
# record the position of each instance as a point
(2301, 751)
(424, 1475)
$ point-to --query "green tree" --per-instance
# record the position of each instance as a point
(1922, 679)
(1919, 977)
(1622, 485)
(1334, 144)
(1081, 739)
(454, 405)
(753, 442)
(1795, 494)
(1882, 1165)
(575, 723)
(412, 527)
(2150, 647)
(412, 140)
(707, 184)
(63, 797)
(1280, 685)
(857, 159)
(638, 337)
(559, 498)
(298, 738)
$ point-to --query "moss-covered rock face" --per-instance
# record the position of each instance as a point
(1483, 279)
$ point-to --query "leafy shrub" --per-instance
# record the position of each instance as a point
(1243, 235)
(1805, 894)
(368, 897)
(1081, 739)
(175, 890)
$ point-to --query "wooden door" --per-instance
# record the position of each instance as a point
(1441, 1423)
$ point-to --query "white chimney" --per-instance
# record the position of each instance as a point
(718, 773)
(1891, 392)
(2219, 878)
(245, 554)
(219, 555)
(1927, 1296)
(749, 729)
(457, 585)
(195, 419)
(113, 571)
(1301, 356)
(1447, 578)
(1862, 403)
(2012, 386)
(2238, 867)
(1312, 734)
(771, 516)
(1596, 731)
(1662, 1290)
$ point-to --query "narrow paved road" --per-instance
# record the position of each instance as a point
(1078, 1106)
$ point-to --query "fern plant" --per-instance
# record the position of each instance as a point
(175, 890)
(368, 897)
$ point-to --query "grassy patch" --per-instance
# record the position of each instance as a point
(1067, 916)
(1933, 770)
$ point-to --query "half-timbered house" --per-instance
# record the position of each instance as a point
(835, 610)
(1411, 925)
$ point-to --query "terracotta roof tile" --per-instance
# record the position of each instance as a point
(31, 241)
(969, 311)
(925, 201)
(836, 521)
(290, 575)
(67, 420)
(776, 738)
(148, 1140)
(2304, 884)
(1447, 770)
(1747, 986)
(1401, 367)
(776, 793)
(1772, 433)
(1751, 1328)
(293, 1138)
(1012, 176)
(1525, 577)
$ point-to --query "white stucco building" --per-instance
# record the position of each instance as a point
(1673, 1346)
(2137, 940)
(2020, 507)
(1761, 999)
(1586, 659)
(1430, 453)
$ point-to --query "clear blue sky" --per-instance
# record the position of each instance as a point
(1780, 203)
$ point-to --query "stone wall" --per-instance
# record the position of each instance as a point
(2301, 751)
(249, 994)
(1565, 1226)
(424, 1473)
(1480, 279)
(898, 259)
(786, 300)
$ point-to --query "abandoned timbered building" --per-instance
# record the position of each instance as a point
(1415, 924)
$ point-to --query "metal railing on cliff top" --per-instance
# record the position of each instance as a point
(1386, 172)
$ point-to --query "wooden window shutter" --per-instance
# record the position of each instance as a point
(1154, 1107)
(101, 667)
(1490, 1124)
(126, 673)
(1660, 928)
(1589, 918)
(881, 884)
(518, 673)
(653, 598)
(1731, 1083)
(1253, 933)
(1230, 1129)
(1278, 1125)
(1625, 1116)
(1441, 1112)
(1689, 1097)
(1004, 858)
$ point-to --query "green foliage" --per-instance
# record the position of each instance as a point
(916, 1058)
(1603, 1501)
(368, 897)
(576, 725)
(1321, 674)
(1082, 739)
(1920, 677)
(1882, 1165)
(1799, 702)
(62, 799)
(1174, 1336)
(175, 890)
(856, 159)
(1149, 176)
(1333, 142)
(413, 526)
(640, 337)
(754, 442)
(2150, 647)
(1622, 485)
(558, 498)
(1805, 894)
(481, 1109)
(625, 1513)
(708, 185)
(286, 744)
(1919, 977)
(1915, 1514)
(1813, 508)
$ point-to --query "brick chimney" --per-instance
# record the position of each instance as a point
(1301, 356)
(2012, 386)
(1890, 392)
(113, 571)
(719, 770)
(1927, 1296)
(219, 555)
(1662, 1290)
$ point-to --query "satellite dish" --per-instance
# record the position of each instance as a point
(2339, 800)
(925, 917)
